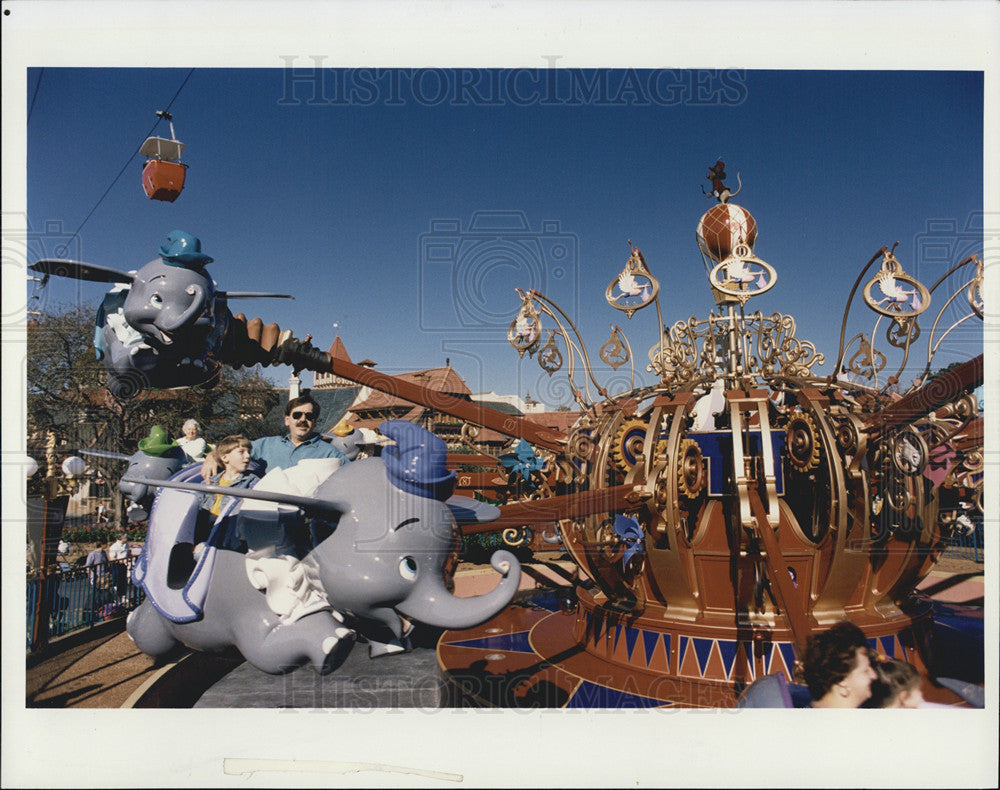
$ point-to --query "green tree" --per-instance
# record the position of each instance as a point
(68, 399)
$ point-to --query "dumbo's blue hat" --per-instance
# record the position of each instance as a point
(416, 463)
(183, 248)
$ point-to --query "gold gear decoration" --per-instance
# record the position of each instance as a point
(802, 443)
(691, 475)
(628, 443)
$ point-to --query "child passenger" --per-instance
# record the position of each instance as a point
(897, 686)
(233, 452)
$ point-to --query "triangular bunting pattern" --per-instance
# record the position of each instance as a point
(591, 695)
(728, 652)
(650, 638)
(702, 647)
(631, 637)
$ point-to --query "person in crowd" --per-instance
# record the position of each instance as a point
(119, 549)
(193, 443)
(233, 453)
(897, 685)
(97, 558)
(838, 667)
(118, 554)
(281, 452)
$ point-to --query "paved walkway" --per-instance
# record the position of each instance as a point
(103, 668)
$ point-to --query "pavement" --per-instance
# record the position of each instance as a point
(102, 668)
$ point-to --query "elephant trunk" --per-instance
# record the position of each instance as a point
(431, 603)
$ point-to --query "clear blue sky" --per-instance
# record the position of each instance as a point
(335, 187)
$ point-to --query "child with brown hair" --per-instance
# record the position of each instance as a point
(897, 686)
(233, 453)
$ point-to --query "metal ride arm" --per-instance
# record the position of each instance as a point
(781, 582)
(302, 355)
(930, 397)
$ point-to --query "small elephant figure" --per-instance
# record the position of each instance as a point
(388, 525)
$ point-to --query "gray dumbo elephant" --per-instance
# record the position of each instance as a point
(160, 326)
(384, 529)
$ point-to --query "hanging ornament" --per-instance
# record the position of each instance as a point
(614, 352)
(525, 331)
(635, 286)
(902, 296)
(549, 358)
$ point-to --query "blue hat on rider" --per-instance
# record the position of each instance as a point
(184, 249)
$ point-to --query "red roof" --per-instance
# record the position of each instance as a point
(556, 420)
(437, 379)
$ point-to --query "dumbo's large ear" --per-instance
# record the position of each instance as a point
(81, 271)
(471, 511)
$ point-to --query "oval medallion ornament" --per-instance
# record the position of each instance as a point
(525, 331)
(635, 287)
(894, 293)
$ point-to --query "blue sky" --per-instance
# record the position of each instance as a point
(334, 186)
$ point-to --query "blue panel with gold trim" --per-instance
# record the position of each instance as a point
(591, 695)
(888, 646)
(515, 643)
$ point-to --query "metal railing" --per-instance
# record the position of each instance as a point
(81, 597)
(967, 545)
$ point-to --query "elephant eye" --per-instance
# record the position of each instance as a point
(156, 300)
(408, 568)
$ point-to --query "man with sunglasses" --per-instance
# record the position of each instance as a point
(282, 452)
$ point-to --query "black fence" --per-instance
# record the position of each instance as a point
(967, 544)
(80, 598)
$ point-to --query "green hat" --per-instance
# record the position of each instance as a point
(156, 443)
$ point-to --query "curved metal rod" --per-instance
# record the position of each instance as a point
(572, 351)
(584, 356)
(951, 271)
(631, 358)
(932, 347)
(850, 301)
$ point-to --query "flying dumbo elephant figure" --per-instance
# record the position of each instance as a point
(160, 326)
(384, 529)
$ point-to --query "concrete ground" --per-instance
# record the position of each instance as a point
(102, 668)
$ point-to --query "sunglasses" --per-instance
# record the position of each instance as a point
(304, 415)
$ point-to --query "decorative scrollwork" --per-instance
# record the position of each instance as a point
(516, 536)
(696, 350)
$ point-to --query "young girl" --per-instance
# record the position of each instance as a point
(233, 453)
(898, 685)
